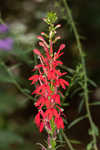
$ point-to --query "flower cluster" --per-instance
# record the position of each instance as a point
(5, 43)
(49, 80)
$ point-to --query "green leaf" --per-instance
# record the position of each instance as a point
(74, 141)
(65, 104)
(92, 83)
(70, 70)
(60, 136)
(89, 146)
(75, 91)
(65, 121)
(76, 121)
(94, 130)
(80, 105)
(59, 146)
(26, 91)
(95, 103)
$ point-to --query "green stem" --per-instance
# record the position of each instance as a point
(67, 141)
(52, 124)
(52, 136)
(82, 59)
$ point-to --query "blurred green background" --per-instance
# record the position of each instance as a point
(24, 17)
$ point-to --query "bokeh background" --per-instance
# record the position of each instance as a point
(24, 19)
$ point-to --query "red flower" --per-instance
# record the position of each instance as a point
(61, 82)
(55, 99)
(50, 113)
(42, 90)
(42, 101)
(49, 81)
(59, 123)
(37, 119)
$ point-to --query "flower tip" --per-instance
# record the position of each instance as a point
(36, 51)
(67, 83)
(42, 33)
(44, 19)
(63, 46)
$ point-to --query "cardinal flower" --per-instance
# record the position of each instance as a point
(49, 81)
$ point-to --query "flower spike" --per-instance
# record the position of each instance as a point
(48, 80)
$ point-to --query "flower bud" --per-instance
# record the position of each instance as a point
(57, 26)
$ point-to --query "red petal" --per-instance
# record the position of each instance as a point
(37, 119)
(62, 46)
(57, 99)
(44, 46)
(55, 113)
(42, 39)
(36, 51)
(41, 126)
(34, 78)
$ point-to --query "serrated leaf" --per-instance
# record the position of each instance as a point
(76, 121)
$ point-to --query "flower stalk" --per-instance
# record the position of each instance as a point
(49, 80)
(82, 60)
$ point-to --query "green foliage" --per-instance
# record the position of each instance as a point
(89, 146)
(73, 123)
(51, 18)
(8, 138)
(94, 130)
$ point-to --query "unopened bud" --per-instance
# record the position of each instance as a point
(56, 39)
(57, 26)
(44, 34)
(44, 19)
(51, 34)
